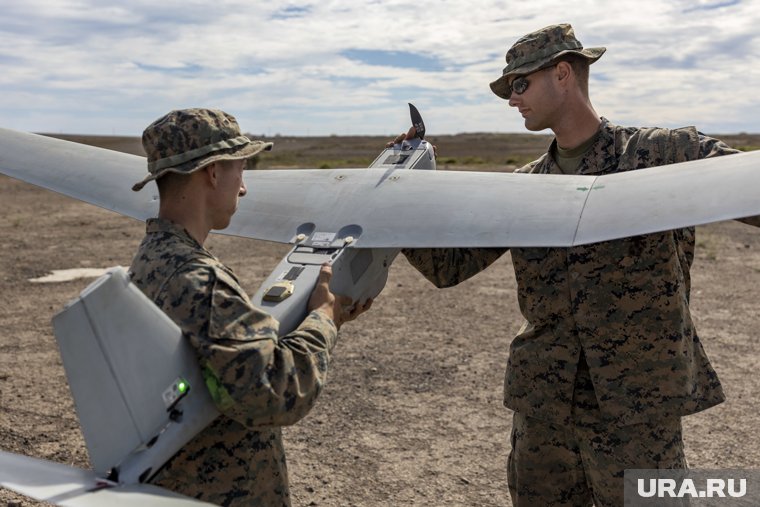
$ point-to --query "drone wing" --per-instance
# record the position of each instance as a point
(395, 208)
(72, 487)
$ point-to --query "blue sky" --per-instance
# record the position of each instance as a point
(348, 68)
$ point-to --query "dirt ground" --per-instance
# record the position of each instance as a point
(412, 413)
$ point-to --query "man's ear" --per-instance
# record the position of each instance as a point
(211, 172)
(564, 71)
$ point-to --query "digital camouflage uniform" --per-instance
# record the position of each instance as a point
(258, 382)
(608, 358)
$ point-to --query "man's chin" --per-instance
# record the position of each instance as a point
(222, 225)
(532, 126)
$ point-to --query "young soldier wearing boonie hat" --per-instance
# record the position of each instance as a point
(258, 381)
(607, 360)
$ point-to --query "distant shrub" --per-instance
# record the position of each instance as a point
(519, 161)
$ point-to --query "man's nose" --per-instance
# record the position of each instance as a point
(243, 189)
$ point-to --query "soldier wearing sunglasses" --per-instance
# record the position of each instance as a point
(608, 359)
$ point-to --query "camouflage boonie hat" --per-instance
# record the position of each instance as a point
(186, 140)
(539, 50)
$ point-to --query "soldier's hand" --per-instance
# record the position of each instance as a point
(409, 134)
(338, 308)
(347, 310)
(321, 298)
(405, 136)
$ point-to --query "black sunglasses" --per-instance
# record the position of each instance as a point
(518, 86)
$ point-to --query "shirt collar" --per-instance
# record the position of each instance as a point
(162, 225)
(599, 156)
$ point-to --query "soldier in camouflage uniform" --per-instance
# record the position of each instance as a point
(607, 361)
(258, 381)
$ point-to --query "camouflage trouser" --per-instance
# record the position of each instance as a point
(583, 463)
(229, 465)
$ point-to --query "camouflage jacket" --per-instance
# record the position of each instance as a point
(257, 380)
(623, 304)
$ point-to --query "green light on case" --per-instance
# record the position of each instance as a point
(175, 392)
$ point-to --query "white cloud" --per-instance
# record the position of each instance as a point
(99, 67)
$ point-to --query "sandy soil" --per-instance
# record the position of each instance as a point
(412, 414)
